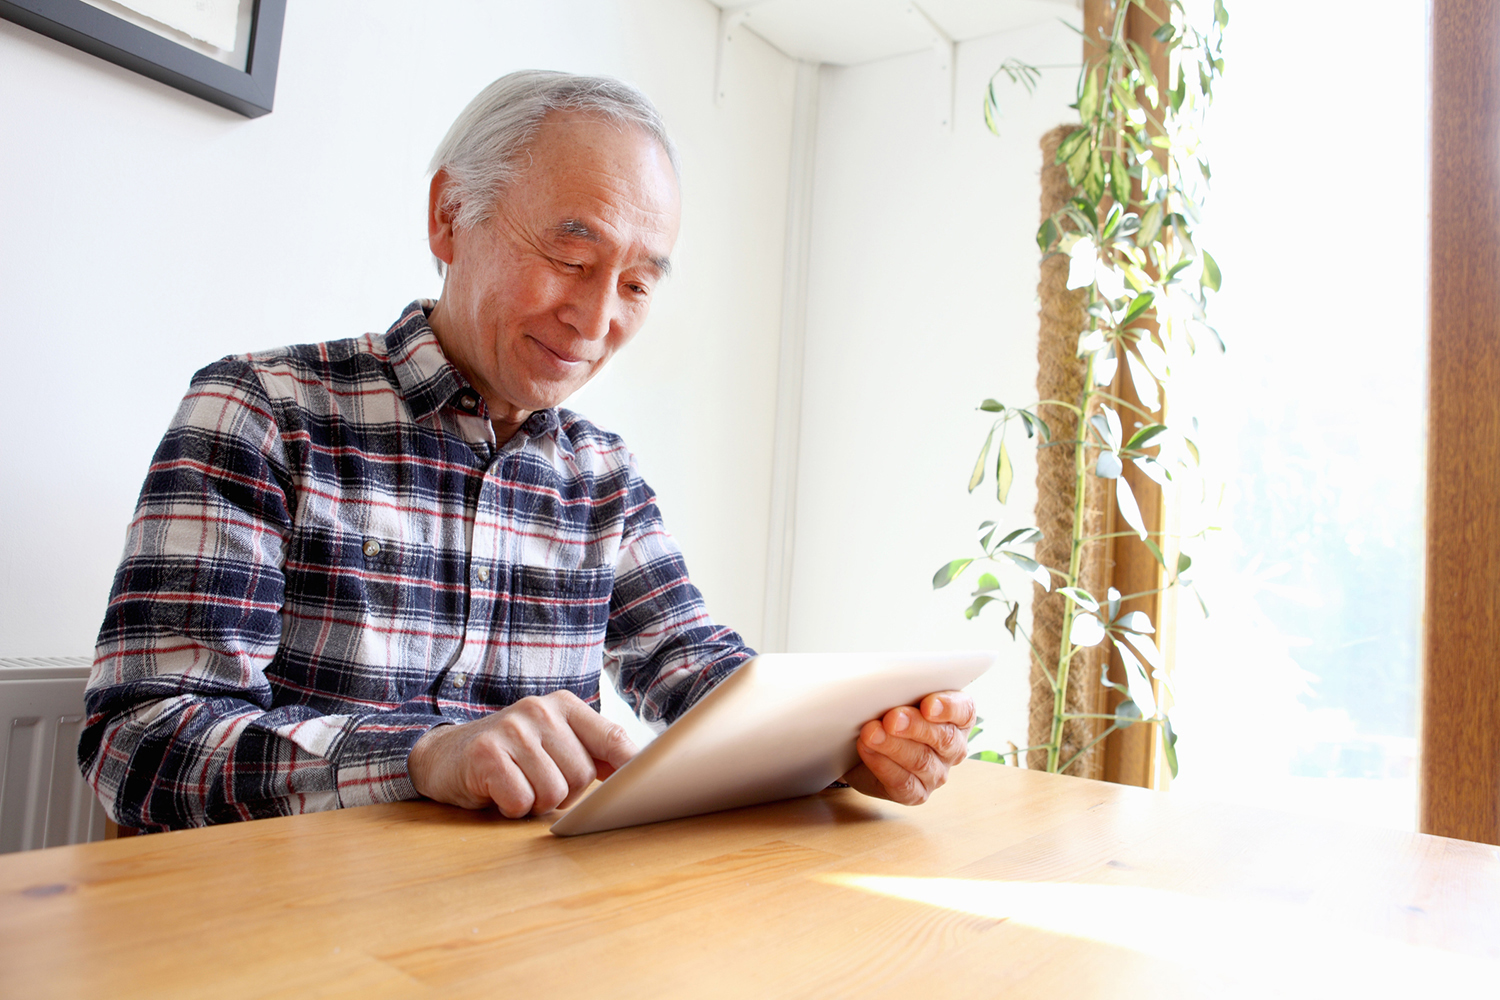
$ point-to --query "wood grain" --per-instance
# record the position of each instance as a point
(1460, 794)
(1008, 883)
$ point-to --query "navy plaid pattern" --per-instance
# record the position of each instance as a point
(332, 554)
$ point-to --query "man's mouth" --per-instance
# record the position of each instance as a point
(563, 356)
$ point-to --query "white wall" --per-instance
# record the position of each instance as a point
(922, 303)
(144, 233)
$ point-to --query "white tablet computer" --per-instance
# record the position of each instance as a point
(782, 725)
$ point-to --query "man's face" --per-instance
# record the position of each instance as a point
(539, 296)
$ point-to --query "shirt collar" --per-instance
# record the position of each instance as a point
(428, 379)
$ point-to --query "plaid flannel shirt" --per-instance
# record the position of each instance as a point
(332, 554)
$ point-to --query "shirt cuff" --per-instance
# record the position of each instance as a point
(370, 764)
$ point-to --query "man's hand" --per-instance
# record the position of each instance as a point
(530, 757)
(907, 753)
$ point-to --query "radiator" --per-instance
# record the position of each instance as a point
(44, 801)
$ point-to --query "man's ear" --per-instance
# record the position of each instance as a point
(440, 213)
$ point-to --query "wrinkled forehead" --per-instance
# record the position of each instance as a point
(599, 182)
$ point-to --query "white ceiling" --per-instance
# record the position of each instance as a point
(848, 32)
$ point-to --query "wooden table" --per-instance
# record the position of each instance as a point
(1008, 883)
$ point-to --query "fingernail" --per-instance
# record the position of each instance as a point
(901, 723)
(935, 708)
(876, 737)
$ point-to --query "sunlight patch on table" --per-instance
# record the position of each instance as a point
(1299, 954)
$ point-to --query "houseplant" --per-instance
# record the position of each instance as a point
(1120, 247)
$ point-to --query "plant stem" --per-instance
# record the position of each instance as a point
(1086, 748)
(1075, 561)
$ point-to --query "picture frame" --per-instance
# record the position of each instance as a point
(249, 92)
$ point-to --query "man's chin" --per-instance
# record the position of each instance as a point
(546, 396)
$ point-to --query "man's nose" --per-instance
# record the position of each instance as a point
(593, 308)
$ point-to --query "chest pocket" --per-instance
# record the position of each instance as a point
(357, 599)
(557, 623)
(396, 579)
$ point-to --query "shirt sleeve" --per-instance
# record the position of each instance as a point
(661, 647)
(181, 729)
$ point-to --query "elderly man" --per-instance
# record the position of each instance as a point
(389, 567)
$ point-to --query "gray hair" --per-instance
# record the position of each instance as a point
(486, 147)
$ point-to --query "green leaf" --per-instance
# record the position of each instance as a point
(1154, 471)
(1222, 16)
(1078, 163)
(1109, 466)
(1156, 552)
(1129, 509)
(1027, 563)
(1135, 674)
(1113, 420)
(1140, 304)
(1179, 93)
(946, 575)
(992, 406)
(1169, 744)
(1119, 179)
(1192, 450)
(1146, 647)
(1147, 389)
(1022, 536)
(993, 757)
(1127, 714)
(1111, 221)
(1164, 33)
(1076, 140)
(1004, 473)
(1038, 572)
(1080, 597)
(1211, 276)
(1010, 619)
(975, 731)
(977, 476)
(1183, 562)
(1088, 210)
(1143, 437)
(977, 606)
(1093, 181)
(987, 583)
(1108, 433)
(1088, 101)
(1085, 630)
(989, 111)
(1046, 235)
(1150, 225)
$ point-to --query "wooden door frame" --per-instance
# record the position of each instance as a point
(1460, 769)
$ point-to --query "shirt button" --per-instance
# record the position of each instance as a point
(483, 574)
(372, 548)
(457, 680)
(468, 401)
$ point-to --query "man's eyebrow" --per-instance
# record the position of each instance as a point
(577, 229)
